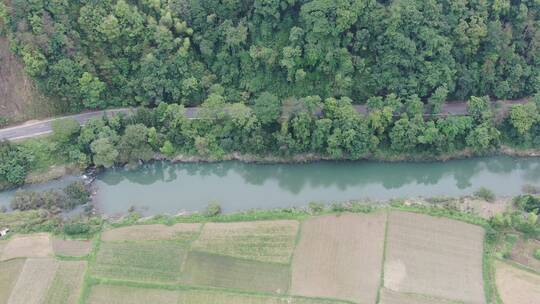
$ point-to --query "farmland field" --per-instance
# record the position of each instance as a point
(207, 269)
(130, 295)
(425, 255)
(393, 297)
(149, 261)
(523, 253)
(31, 246)
(516, 286)
(34, 281)
(329, 259)
(66, 285)
(9, 273)
(340, 257)
(265, 241)
(71, 248)
(179, 232)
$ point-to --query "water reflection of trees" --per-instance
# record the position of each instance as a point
(295, 177)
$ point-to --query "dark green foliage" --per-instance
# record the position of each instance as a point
(97, 54)
(77, 194)
(76, 228)
(14, 163)
(528, 203)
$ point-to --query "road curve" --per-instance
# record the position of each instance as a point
(43, 127)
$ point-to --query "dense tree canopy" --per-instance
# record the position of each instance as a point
(96, 54)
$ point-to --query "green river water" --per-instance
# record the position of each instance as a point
(162, 187)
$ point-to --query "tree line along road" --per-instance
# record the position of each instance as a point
(44, 127)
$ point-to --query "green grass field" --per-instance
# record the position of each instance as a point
(207, 269)
(66, 285)
(148, 261)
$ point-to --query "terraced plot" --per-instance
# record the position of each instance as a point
(34, 281)
(71, 248)
(179, 232)
(30, 246)
(435, 257)
(149, 261)
(205, 269)
(9, 273)
(517, 286)
(111, 294)
(265, 241)
(340, 257)
(67, 283)
(392, 297)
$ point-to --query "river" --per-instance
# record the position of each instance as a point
(163, 187)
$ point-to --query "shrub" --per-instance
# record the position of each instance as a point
(528, 203)
(76, 228)
(316, 207)
(485, 194)
(537, 254)
(77, 195)
(213, 209)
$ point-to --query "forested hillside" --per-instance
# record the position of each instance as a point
(103, 53)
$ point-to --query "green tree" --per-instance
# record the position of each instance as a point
(134, 146)
(105, 152)
(522, 117)
(65, 131)
(91, 91)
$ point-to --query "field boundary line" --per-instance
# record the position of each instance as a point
(291, 259)
(189, 249)
(385, 243)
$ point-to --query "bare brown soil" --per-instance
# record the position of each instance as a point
(155, 232)
(392, 297)
(71, 248)
(29, 246)
(265, 241)
(435, 257)
(340, 257)
(34, 281)
(19, 99)
(523, 253)
(516, 286)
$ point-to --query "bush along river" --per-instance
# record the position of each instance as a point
(164, 187)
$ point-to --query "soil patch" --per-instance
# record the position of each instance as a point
(516, 286)
(29, 246)
(71, 247)
(435, 257)
(183, 232)
(392, 297)
(340, 257)
(9, 273)
(265, 241)
(523, 253)
(34, 281)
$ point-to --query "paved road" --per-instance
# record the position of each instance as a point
(43, 127)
